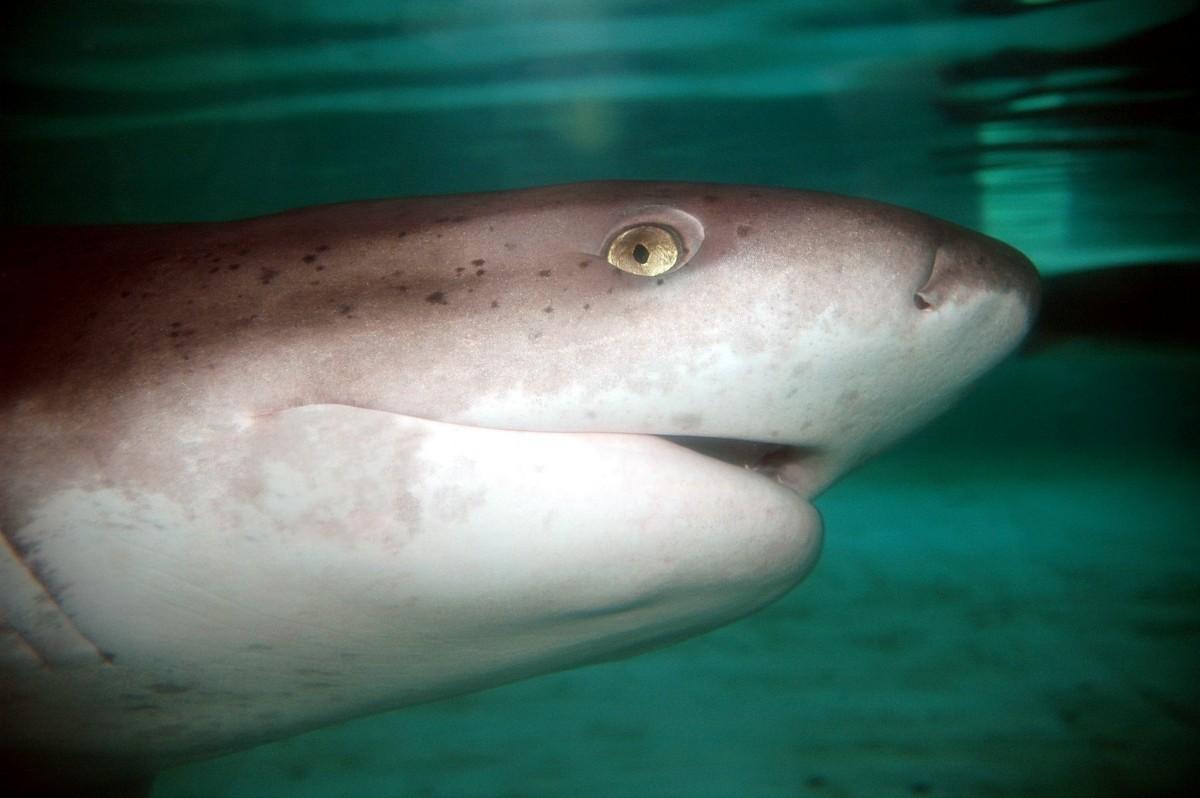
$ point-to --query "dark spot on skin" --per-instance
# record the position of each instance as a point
(314, 282)
(481, 272)
(267, 275)
(402, 234)
(402, 288)
(687, 421)
(509, 245)
(309, 258)
(176, 324)
(533, 336)
(439, 235)
(743, 230)
(711, 198)
(322, 247)
(478, 262)
(345, 309)
(459, 269)
(437, 298)
(583, 264)
(319, 268)
(168, 688)
(397, 273)
(28, 551)
(547, 309)
(659, 281)
(233, 267)
(587, 307)
(491, 229)
(544, 273)
(495, 304)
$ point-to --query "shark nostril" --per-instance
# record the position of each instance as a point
(942, 274)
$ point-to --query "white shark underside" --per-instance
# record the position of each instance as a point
(261, 476)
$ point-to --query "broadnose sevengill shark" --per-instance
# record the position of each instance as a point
(264, 475)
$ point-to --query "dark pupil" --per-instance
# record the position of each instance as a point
(641, 254)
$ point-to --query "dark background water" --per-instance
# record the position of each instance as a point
(1009, 604)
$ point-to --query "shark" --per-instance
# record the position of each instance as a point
(265, 475)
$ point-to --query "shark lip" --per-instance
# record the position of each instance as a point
(791, 465)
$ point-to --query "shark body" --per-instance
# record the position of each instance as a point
(265, 475)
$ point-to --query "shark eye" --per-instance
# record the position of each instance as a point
(647, 250)
(651, 240)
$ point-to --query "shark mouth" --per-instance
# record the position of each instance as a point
(794, 467)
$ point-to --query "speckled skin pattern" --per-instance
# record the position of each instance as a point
(263, 475)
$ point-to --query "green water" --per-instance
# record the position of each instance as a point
(1008, 604)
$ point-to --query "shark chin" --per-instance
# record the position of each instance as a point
(265, 475)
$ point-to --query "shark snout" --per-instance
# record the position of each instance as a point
(969, 265)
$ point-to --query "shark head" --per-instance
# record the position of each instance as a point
(265, 475)
(796, 332)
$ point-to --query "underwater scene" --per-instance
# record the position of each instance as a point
(1006, 603)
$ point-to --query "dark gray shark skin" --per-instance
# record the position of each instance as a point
(266, 475)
